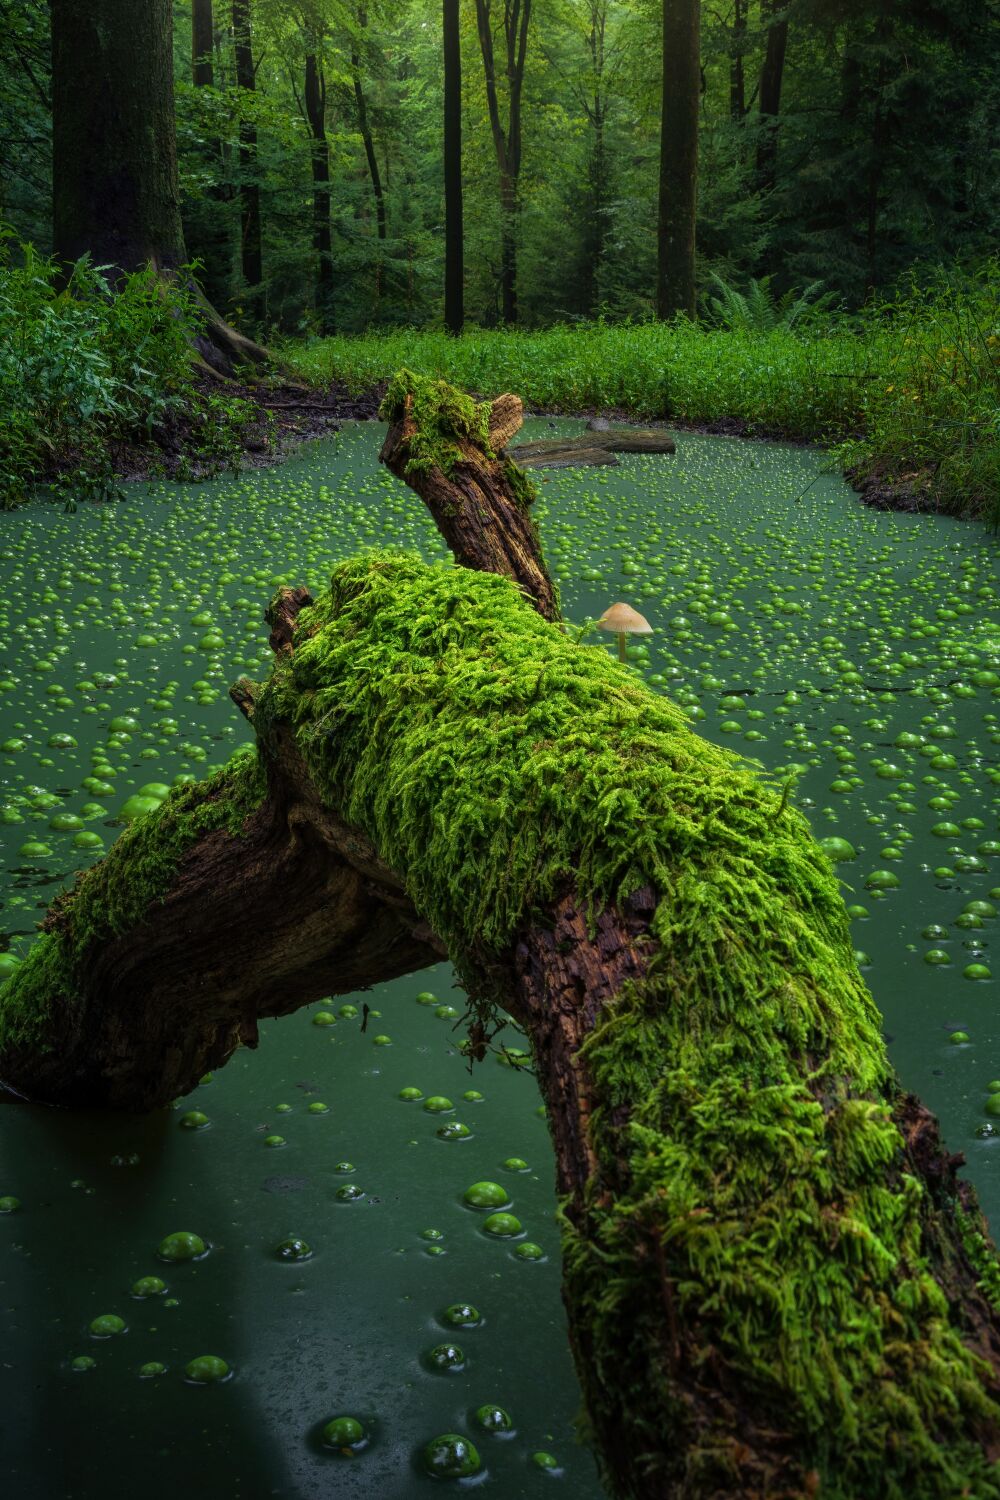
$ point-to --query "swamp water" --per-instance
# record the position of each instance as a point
(857, 656)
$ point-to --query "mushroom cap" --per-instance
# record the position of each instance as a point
(625, 620)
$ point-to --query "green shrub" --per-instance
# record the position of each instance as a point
(86, 369)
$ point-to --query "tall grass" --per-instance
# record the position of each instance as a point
(909, 394)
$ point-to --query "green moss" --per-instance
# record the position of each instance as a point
(441, 414)
(748, 1166)
(115, 893)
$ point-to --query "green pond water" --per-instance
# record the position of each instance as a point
(857, 655)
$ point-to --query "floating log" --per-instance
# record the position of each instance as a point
(598, 445)
(776, 1283)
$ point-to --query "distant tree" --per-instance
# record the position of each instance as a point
(774, 15)
(251, 251)
(454, 250)
(114, 167)
(506, 142)
(314, 96)
(678, 194)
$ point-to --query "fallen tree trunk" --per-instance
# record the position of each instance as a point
(598, 445)
(776, 1285)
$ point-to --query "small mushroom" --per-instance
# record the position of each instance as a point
(624, 621)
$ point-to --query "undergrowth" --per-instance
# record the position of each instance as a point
(908, 394)
(87, 369)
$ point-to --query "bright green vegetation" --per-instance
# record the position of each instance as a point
(113, 894)
(789, 1235)
(909, 393)
(88, 367)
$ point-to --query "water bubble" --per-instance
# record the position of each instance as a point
(275, 1141)
(148, 1286)
(504, 1226)
(545, 1461)
(473, 1096)
(348, 1012)
(349, 1193)
(193, 1120)
(206, 1369)
(958, 1037)
(486, 1195)
(293, 1249)
(107, 1326)
(151, 1370)
(437, 1104)
(317, 1107)
(445, 1358)
(9, 1204)
(344, 1166)
(493, 1419)
(346, 1434)
(453, 1130)
(426, 998)
(516, 1164)
(529, 1251)
(410, 1093)
(324, 1018)
(462, 1315)
(182, 1245)
(82, 1362)
(976, 971)
(451, 1456)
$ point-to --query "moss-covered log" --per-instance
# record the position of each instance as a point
(776, 1284)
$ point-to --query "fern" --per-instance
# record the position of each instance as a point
(759, 311)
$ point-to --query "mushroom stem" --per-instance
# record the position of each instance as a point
(622, 637)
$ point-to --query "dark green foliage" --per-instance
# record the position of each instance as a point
(86, 369)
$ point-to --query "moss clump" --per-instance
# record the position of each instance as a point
(441, 414)
(115, 893)
(749, 1167)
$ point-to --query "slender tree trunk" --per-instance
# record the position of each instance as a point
(675, 288)
(769, 97)
(364, 129)
(877, 144)
(208, 230)
(202, 44)
(593, 229)
(776, 1284)
(319, 154)
(454, 233)
(737, 82)
(506, 143)
(250, 231)
(114, 161)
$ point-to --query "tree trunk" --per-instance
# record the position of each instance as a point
(675, 283)
(208, 232)
(454, 243)
(775, 1283)
(114, 169)
(114, 160)
(315, 104)
(877, 145)
(737, 80)
(251, 254)
(506, 143)
(771, 75)
(202, 43)
(364, 130)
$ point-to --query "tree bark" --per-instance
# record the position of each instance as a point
(737, 79)
(251, 252)
(364, 129)
(115, 190)
(315, 105)
(771, 77)
(454, 241)
(678, 192)
(506, 143)
(776, 1284)
(202, 44)
(114, 159)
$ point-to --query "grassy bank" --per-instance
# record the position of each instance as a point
(908, 397)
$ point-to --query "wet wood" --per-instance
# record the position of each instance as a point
(598, 445)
